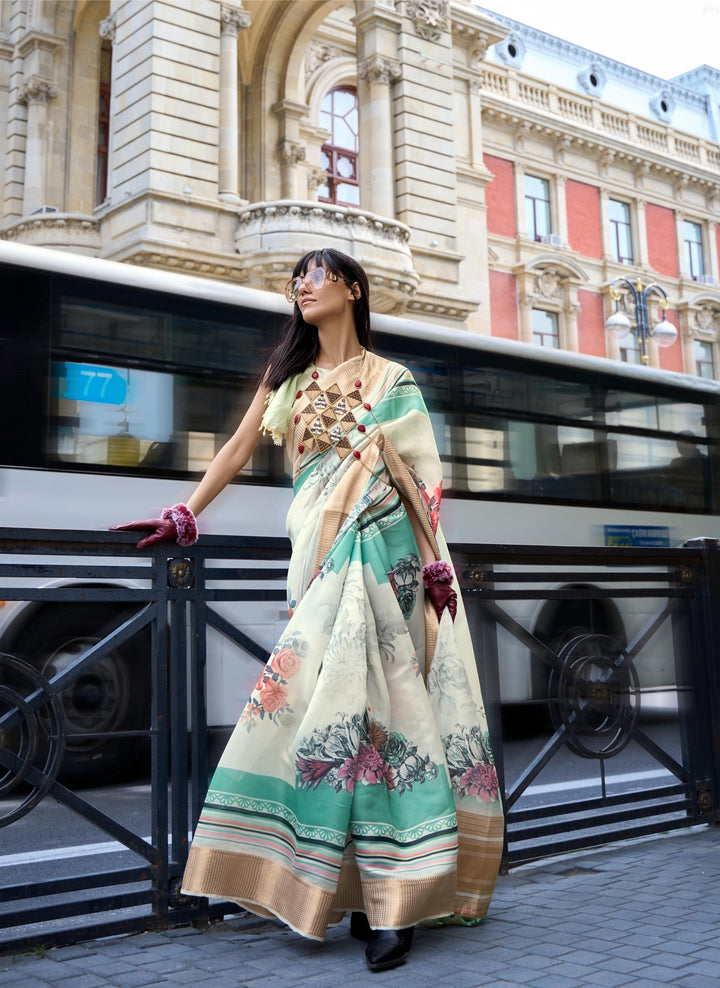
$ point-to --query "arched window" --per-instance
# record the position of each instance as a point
(339, 157)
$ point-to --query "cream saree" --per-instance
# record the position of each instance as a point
(360, 774)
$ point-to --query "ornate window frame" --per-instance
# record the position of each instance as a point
(550, 283)
(511, 50)
(593, 79)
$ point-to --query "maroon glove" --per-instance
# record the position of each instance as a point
(176, 524)
(437, 578)
(441, 596)
(163, 530)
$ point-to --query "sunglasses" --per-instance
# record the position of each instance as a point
(314, 279)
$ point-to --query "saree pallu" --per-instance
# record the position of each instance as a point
(360, 774)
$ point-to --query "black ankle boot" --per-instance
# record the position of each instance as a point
(359, 927)
(388, 948)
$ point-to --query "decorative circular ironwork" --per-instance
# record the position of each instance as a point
(705, 799)
(180, 899)
(594, 695)
(180, 574)
(32, 737)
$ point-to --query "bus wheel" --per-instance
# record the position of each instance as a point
(112, 695)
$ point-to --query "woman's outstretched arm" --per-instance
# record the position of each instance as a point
(233, 456)
(227, 463)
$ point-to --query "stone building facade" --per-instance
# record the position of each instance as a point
(488, 176)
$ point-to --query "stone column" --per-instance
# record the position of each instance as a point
(520, 221)
(290, 153)
(572, 308)
(560, 208)
(527, 303)
(711, 266)
(680, 241)
(35, 93)
(640, 232)
(606, 245)
(377, 184)
(107, 29)
(475, 123)
(232, 20)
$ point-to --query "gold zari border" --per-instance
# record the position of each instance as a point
(269, 889)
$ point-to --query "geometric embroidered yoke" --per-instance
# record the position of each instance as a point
(328, 417)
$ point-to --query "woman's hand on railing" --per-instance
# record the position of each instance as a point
(177, 523)
(162, 530)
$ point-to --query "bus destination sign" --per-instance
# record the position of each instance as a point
(639, 535)
(92, 382)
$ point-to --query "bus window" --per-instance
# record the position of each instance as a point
(668, 473)
(628, 410)
(95, 327)
(108, 415)
(485, 452)
(137, 419)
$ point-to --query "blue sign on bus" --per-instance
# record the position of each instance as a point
(640, 535)
(92, 382)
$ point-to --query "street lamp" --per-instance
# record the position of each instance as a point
(663, 332)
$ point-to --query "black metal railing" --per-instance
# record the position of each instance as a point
(619, 647)
(599, 669)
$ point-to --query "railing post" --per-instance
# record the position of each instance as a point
(159, 740)
(483, 631)
(705, 652)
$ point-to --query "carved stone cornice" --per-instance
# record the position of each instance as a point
(634, 155)
(289, 108)
(474, 39)
(55, 230)
(379, 68)
(36, 90)
(290, 152)
(562, 144)
(319, 213)
(233, 19)
(108, 28)
(707, 320)
(316, 177)
(606, 159)
(548, 284)
(430, 18)
(38, 40)
(320, 53)
(449, 308)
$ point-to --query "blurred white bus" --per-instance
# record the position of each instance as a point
(118, 384)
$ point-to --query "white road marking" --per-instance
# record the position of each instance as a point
(660, 773)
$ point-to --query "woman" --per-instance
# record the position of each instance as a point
(359, 776)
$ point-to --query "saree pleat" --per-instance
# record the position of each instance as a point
(360, 774)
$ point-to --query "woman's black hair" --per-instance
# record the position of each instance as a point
(300, 344)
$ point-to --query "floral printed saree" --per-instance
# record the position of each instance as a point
(360, 774)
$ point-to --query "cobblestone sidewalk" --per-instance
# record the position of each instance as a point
(641, 914)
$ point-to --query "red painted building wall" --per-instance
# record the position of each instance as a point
(503, 305)
(671, 357)
(500, 197)
(591, 324)
(583, 218)
(662, 245)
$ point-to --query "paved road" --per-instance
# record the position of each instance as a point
(643, 913)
